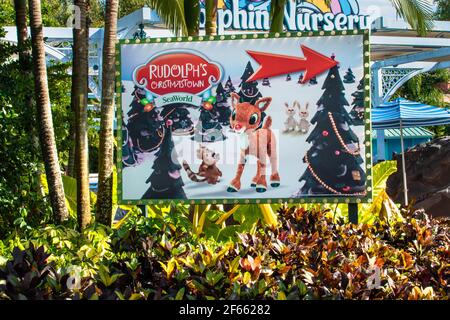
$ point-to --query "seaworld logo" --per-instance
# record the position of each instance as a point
(312, 15)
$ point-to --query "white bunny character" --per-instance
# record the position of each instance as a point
(290, 123)
(303, 124)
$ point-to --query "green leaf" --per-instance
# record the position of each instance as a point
(247, 278)
(212, 230)
(70, 192)
(173, 14)
(228, 233)
(213, 215)
(418, 13)
(180, 294)
(234, 265)
(213, 278)
(381, 173)
(135, 296)
(281, 296)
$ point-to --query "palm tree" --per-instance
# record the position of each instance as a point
(106, 146)
(182, 16)
(44, 115)
(277, 15)
(20, 7)
(418, 14)
(211, 17)
(79, 104)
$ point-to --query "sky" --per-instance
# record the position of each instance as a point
(379, 8)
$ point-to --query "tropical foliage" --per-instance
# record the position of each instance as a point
(183, 252)
(425, 88)
(443, 10)
(308, 256)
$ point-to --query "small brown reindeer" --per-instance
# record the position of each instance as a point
(255, 141)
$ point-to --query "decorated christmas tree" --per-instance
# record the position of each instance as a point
(300, 78)
(208, 128)
(222, 106)
(229, 88)
(249, 90)
(357, 112)
(136, 106)
(144, 123)
(349, 76)
(288, 77)
(334, 160)
(165, 180)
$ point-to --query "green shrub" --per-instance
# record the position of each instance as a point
(308, 256)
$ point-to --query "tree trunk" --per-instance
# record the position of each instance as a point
(277, 15)
(20, 7)
(44, 115)
(211, 17)
(106, 145)
(192, 16)
(79, 104)
(71, 168)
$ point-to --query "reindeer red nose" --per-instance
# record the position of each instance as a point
(237, 126)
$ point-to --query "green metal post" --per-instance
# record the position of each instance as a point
(353, 213)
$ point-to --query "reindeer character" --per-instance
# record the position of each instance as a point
(245, 119)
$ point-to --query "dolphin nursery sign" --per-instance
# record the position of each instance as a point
(311, 15)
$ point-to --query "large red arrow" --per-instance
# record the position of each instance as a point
(272, 65)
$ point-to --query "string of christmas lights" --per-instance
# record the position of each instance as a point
(323, 184)
(341, 141)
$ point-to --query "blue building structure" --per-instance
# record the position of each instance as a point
(411, 137)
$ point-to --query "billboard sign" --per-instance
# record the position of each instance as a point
(299, 15)
(245, 119)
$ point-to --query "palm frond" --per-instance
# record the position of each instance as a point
(172, 13)
(418, 13)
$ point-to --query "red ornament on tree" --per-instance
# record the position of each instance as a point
(149, 107)
(337, 152)
(325, 133)
(346, 189)
(169, 122)
(207, 106)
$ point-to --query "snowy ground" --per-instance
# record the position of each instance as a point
(292, 147)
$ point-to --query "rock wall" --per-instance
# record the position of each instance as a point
(428, 176)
